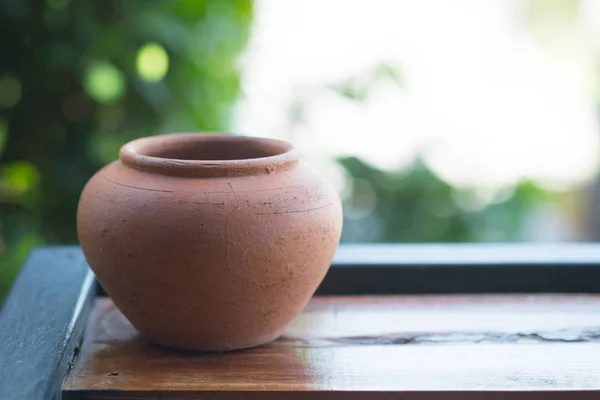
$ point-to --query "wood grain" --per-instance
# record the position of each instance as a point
(409, 347)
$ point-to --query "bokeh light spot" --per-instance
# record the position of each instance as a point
(104, 82)
(10, 91)
(363, 201)
(152, 62)
(104, 147)
(19, 177)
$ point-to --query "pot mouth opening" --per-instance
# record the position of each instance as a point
(202, 154)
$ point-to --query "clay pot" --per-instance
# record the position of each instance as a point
(209, 242)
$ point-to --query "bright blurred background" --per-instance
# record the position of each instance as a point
(462, 121)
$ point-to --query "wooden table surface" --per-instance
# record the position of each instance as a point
(407, 347)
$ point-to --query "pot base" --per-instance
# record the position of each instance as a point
(220, 348)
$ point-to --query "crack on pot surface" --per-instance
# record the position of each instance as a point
(138, 187)
(295, 211)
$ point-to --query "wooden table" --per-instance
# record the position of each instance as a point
(357, 347)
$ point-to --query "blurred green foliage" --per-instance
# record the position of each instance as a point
(79, 78)
(414, 205)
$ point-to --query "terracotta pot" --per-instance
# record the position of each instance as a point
(209, 242)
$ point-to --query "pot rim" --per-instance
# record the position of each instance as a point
(135, 154)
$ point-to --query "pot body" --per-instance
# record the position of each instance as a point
(209, 263)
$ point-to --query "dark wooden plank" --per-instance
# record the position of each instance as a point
(42, 322)
(409, 347)
(463, 268)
